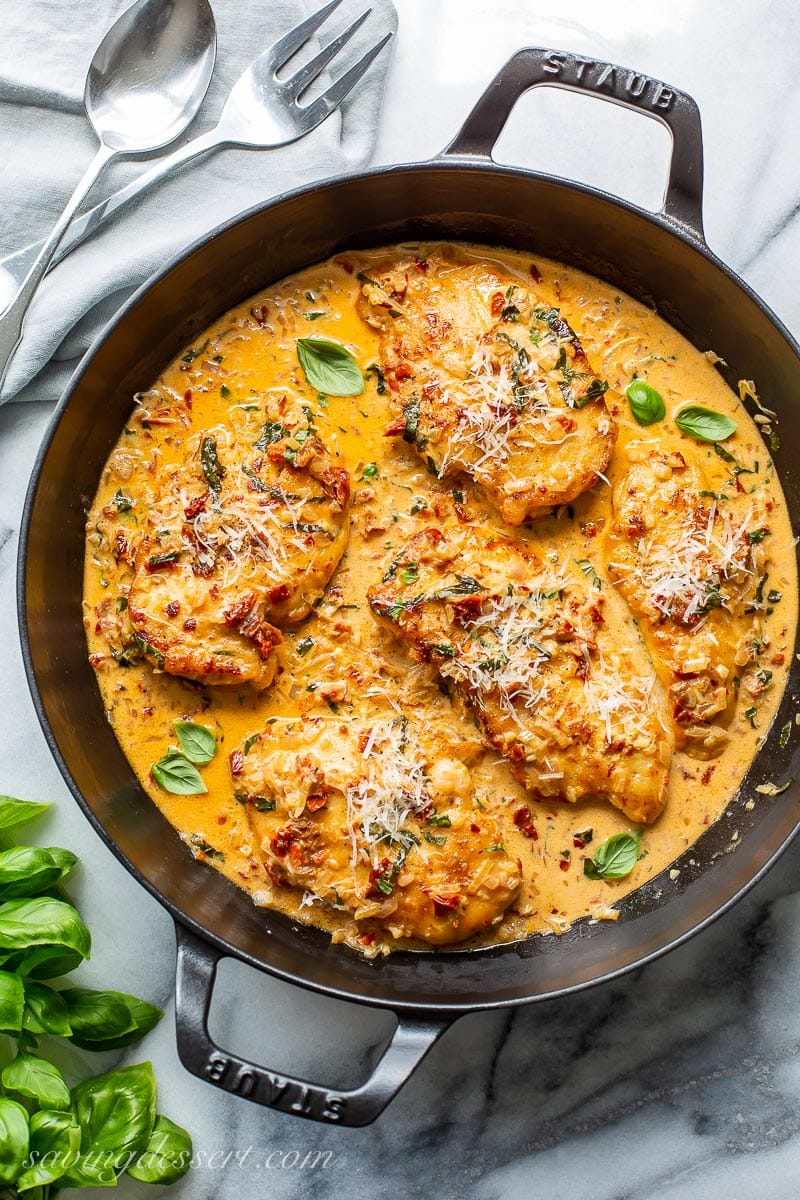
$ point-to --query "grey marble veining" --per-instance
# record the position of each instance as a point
(680, 1081)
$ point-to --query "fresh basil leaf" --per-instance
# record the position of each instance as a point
(90, 1170)
(45, 962)
(197, 741)
(64, 859)
(26, 870)
(615, 857)
(168, 1154)
(330, 367)
(14, 1139)
(45, 1010)
(646, 403)
(17, 812)
(705, 424)
(96, 1016)
(174, 773)
(104, 1020)
(117, 1113)
(55, 1139)
(12, 1002)
(41, 922)
(36, 1079)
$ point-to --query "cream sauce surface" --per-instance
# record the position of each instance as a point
(250, 353)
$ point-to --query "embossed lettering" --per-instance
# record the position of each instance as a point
(217, 1067)
(580, 66)
(664, 97)
(554, 64)
(276, 1086)
(635, 84)
(244, 1083)
(334, 1108)
(607, 75)
(301, 1104)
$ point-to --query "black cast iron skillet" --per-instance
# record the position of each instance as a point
(661, 259)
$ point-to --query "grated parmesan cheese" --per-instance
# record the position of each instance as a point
(700, 562)
(492, 409)
(392, 787)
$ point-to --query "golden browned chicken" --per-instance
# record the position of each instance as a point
(241, 535)
(487, 379)
(693, 568)
(375, 817)
(548, 658)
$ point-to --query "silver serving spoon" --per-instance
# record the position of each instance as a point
(145, 84)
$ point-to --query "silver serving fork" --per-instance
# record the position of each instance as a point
(260, 113)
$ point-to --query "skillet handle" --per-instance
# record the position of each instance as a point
(535, 66)
(196, 972)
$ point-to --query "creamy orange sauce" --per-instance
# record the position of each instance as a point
(395, 497)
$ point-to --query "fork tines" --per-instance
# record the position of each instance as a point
(287, 46)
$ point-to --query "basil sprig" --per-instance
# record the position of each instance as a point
(51, 1135)
(645, 402)
(174, 773)
(705, 424)
(197, 741)
(330, 367)
(615, 857)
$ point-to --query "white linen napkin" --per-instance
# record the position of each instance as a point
(46, 142)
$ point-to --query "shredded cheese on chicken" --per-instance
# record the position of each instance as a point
(393, 786)
(495, 409)
(685, 574)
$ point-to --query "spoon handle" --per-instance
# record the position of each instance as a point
(15, 267)
(13, 316)
(84, 226)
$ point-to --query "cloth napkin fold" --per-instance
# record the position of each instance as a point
(46, 142)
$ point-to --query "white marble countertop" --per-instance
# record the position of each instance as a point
(679, 1082)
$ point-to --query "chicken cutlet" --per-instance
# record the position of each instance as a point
(693, 569)
(375, 817)
(487, 379)
(240, 537)
(549, 660)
